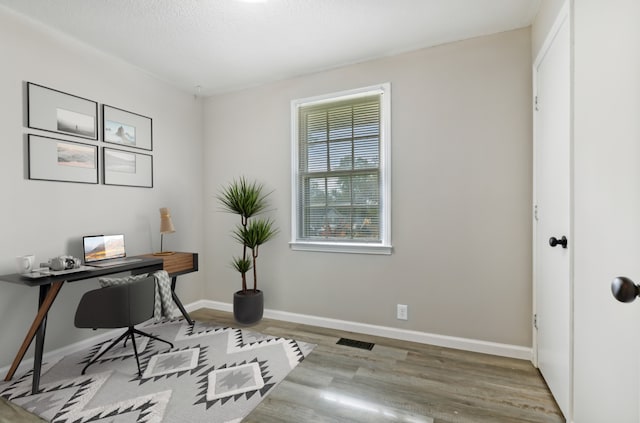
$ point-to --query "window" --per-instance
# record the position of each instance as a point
(341, 173)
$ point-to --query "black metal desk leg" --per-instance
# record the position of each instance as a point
(42, 329)
(178, 302)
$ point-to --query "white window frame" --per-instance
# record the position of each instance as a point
(384, 245)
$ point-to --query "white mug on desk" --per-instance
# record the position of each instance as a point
(24, 264)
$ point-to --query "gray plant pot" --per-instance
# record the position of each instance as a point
(248, 308)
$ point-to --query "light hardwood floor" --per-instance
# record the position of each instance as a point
(396, 381)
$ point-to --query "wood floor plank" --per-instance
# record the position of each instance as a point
(396, 381)
(399, 381)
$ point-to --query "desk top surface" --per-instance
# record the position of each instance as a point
(146, 264)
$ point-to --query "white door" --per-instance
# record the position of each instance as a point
(552, 193)
(606, 216)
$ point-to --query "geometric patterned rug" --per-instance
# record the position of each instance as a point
(213, 374)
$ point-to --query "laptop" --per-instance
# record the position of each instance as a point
(105, 250)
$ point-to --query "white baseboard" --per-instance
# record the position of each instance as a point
(51, 356)
(27, 364)
(493, 348)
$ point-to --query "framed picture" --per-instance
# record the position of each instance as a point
(55, 111)
(126, 128)
(127, 168)
(51, 159)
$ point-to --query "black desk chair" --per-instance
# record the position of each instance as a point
(118, 306)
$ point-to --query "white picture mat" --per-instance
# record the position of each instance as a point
(142, 125)
(44, 104)
(141, 177)
(44, 165)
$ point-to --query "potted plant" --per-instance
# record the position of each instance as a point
(248, 199)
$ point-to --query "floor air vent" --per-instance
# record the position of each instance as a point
(355, 344)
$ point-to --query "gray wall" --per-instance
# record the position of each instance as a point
(461, 180)
(48, 218)
(461, 194)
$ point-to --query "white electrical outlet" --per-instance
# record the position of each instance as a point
(402, 312)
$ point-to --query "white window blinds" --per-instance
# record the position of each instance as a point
(340, 189)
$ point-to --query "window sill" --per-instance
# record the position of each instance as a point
(341, 247)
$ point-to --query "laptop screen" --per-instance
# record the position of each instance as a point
(103, 247)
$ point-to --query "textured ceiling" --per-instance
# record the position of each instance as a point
(224, 45)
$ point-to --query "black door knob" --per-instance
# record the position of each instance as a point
(553, 241)
(624, 290)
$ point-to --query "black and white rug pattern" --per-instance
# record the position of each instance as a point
(213, 374)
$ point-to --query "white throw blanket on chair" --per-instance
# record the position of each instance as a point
(164, 301)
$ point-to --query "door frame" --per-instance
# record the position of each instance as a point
(562, 17)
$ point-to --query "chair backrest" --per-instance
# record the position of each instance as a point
(117, 306)
(141, 300)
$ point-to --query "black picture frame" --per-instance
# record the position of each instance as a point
(126, 168)
(126, 128)
(53, 159)
(55, 111)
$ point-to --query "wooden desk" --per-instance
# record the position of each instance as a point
(49, 288)
(178, 264)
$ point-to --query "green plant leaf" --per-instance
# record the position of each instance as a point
(244, 198)
(247, 199)
(256, 233)
(241, 265)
